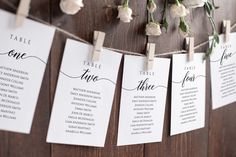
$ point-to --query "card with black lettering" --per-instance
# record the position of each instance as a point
(223, 72)
(24, 53)
(188, 93)
(143, 100)
(84, 96)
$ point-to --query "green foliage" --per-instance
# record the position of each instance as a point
(164, 22)
(209, 8)
(215, 40)
(183, 25)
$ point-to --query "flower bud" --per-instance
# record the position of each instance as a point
(124, 14)
(153, 29)
(71, 6)
(151, 7)
(178, 10)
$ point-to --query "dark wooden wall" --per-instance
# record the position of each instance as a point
(217, 139)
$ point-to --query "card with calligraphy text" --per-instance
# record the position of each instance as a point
(24, 53)
(143, 101)
(84, 96)
(188, 93)
(223, 72)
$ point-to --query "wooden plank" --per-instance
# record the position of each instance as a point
(193, 143)
(222, 137)
(97, 16)
(4, 4)
(14, 144)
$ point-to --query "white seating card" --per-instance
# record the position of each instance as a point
(23, 57)
(188, 93)
(223, 72)
(142, 101)
(84, 96)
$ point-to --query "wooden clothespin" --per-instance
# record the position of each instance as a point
(150, 55)
(226, 27)
(190, 47)
(22, 12)
(98, 40)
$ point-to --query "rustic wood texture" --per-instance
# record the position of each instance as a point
(33, 145)
(217, 139)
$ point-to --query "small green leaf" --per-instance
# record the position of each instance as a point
(183, 26)
(216, 7)
(217, 39)
(214, 42)
(209, 8)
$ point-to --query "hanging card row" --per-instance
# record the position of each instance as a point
(86, 87)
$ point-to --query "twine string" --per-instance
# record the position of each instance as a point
(12, 6)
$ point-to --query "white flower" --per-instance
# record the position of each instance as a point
(194, 3)
(124, 13)
(71, 6)
(178, 10)
(151, 7)
(153, 28)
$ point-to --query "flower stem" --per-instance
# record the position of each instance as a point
(213, 25)
(164, 10)
(209, 8)
(177, 2)
(182, 19)
(151, 17)
(126, 3)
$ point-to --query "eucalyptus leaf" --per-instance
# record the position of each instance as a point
(217, 39)
(183, 26)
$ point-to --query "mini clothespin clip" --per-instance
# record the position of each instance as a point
(22, 12)
(190, 47)
(226, 26)
(150, 55)
(98, 40)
